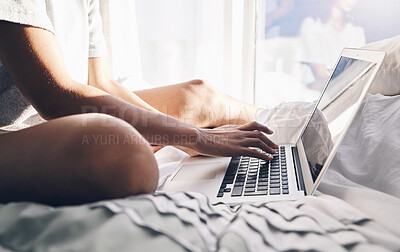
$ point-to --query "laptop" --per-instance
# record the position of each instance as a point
(296, 168)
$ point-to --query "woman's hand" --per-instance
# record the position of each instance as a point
(232, 140)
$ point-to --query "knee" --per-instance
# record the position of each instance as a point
(201, 87)
(201, 92)
(119, 160)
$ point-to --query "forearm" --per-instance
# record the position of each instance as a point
(121, 92)
(100, 77)
(156, 127)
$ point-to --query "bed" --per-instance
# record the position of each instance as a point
(356, 207)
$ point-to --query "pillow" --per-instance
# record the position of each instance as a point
(387, 80)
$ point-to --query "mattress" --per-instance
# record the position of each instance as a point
(355, 208)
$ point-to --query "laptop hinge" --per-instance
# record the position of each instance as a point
(297, 169)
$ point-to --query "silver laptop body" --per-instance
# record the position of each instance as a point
(296, 169)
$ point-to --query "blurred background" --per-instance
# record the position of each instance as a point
(261, 51)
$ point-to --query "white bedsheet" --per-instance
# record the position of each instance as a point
(366, 170)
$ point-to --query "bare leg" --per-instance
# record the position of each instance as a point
(76, 159)
(199, 103)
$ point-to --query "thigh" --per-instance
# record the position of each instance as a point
(195, 102)
(170, 100)
(199, 103)
(70, 160)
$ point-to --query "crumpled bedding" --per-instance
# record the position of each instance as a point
(355, 208)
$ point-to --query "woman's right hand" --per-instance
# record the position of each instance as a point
(236, 141)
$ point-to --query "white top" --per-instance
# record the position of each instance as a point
(78, 30)
(322, 44)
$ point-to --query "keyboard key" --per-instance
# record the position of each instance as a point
(233, 165)
(284, 182)
(285, 187)
(227, 181)
(227, 190)
(237, 184)
(275, 173)
(285, 191)
(251, 181)
(275, 181)
(263, 180)
(274, 191)
(250, 185)
(274, 177)
(237, 191)
(230, 174)
(262, 183)
(246, 190)
(219, 195)
(275, 186)
(262, 188)
(259, 193)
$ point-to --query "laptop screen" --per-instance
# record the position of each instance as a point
(335, 109)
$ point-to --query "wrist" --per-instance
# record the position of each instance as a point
(189, 137)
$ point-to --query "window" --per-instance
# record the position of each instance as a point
(299, 41)
(182, 40)
(260, 51)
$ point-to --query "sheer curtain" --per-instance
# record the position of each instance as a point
(159, 42)
(121, 34)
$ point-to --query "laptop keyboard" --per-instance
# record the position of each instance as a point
(248, 176)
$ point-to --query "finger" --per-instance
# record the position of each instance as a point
(255, 153)
(255, 142)
(228, 126)
(259, 135)
(256, 126)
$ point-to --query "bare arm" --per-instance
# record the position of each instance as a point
(34, 60)
(100, 77)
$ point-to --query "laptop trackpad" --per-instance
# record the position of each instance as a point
(202, 171)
